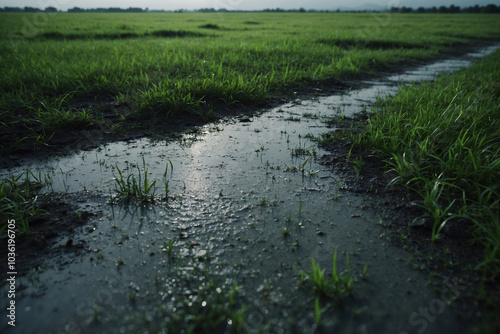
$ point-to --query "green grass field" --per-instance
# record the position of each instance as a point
(70, 71)
(182, 64)
(62, 71)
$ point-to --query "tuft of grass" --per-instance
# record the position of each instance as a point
(304, 151)
(433, 206)
(134, 186)
(358, 166)
(301, 168)
(168, 248)
(138, 185)
(338, 285)
(318, 311)
(18, 199)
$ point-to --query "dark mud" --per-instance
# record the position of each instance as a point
(51, 234)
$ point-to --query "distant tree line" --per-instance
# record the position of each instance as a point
(452, 9)
(75, 10)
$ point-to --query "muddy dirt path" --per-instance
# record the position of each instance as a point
(248, 204)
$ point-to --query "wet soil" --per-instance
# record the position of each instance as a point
(51, 234)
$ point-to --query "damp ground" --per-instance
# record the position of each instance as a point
(242, 206)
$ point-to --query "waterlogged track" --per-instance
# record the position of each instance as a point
(247, 207)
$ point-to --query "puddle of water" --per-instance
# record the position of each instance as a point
(429, 72)
(242, 207)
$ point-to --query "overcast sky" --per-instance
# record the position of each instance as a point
(236, 4)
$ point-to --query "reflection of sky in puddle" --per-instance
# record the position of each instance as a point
(429, 72)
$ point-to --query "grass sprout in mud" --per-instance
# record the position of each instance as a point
(304, 151)
(339, 285)
(442, 139)
(326, 288)
(302, 168)
(139, 186)
(18, 199)
(168, 248)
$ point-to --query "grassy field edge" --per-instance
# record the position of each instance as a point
(442, 140)
(80, 71)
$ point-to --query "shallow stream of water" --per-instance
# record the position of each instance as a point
(247, 202)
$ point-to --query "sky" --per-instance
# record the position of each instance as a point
(238, 4)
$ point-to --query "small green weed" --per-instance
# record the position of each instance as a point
(318, 311)
(432, 204)
(168, 248)
(18, 199)
(304, 150)
(358, 166)
(139, 186)
(338, 286)
(292, 119)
